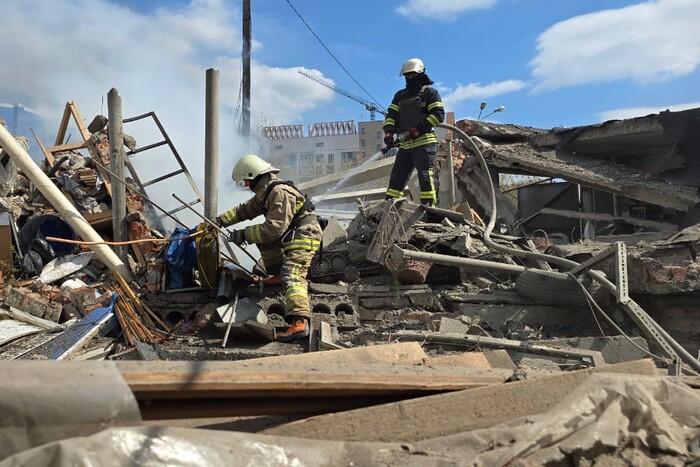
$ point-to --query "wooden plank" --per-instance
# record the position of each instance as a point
(207, 379)
(49, 157)
(403, 353)
(447, 414)
(66, 147)
(63, 127)
(467, 359)
(84, 132)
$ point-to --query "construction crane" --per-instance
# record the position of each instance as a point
(368, 105)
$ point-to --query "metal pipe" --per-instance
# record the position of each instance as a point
(64, 207)
(447, 260)
(211, 144)
(117, 157)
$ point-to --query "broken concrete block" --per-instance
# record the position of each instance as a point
(451, 325)
(415, 317)
(246, 310)
(33, 303)
(328, 288)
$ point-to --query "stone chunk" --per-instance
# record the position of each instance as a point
(33, 303)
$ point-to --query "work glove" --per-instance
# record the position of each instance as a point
(414, 133)
(237, 237)
(388, 138)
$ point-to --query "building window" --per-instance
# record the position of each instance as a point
(362, 130)
(379, 135)
(308, 159)
(278, 146)
(330, 169)
(362, 143)
(319, 158)
(379, 147)
(331, 158)
(319, 145)
(291, 159)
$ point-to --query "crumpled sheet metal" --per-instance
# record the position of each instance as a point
(157, 446)
(658, 414)
(45, 401)
(606, 411)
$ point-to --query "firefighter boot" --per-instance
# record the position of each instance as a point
(298, 330)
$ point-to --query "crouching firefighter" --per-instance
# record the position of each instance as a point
(287, 239)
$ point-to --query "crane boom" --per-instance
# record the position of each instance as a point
(372, 108)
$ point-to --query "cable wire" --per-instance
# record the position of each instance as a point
(331, 54)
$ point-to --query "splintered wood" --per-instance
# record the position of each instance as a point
(137, 320)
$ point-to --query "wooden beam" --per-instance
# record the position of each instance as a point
(67, 147)
(212, 379)
(63, 127)
(447, 414)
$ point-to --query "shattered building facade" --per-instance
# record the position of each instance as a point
(540, 332)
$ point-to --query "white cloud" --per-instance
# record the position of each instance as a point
(476, 91)
(78, 49)
(633, 112)
(649, 42)
(441, 9)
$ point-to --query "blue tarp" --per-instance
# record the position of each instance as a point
(181, 259)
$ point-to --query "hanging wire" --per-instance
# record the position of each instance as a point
(334, 57)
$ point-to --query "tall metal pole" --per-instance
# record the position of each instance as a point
(117, 157)
(211, 144)
(247, 38)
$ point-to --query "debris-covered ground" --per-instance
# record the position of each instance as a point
(437, 337)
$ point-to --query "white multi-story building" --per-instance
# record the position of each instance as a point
(326, 148)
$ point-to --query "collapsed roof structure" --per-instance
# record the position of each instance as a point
(438, 334)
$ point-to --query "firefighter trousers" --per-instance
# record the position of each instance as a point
(422, 158)
(293, 259)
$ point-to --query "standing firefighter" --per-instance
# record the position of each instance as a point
(416, 109)
(287, 239)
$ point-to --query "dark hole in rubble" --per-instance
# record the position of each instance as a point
(276, 309)
(321, 308)
(174, 317)
(345, 308)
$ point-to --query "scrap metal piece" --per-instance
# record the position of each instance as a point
(231, 318)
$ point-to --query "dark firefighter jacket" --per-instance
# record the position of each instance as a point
(404, 113)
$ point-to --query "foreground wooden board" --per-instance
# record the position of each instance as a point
(447, 414)
(404, 353)
(212, 379)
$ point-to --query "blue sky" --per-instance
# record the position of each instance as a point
(551, 63)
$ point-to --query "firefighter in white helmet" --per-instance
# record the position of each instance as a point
(415, 110)
(287, 239)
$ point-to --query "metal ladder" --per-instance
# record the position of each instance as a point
(166, 141)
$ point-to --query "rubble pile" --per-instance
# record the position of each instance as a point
(436, 339)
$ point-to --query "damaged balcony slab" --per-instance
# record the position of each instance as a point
(595, 173)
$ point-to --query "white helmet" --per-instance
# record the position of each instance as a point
(249, 167)
(412, 65)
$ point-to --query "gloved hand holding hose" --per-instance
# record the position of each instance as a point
(388, 138)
